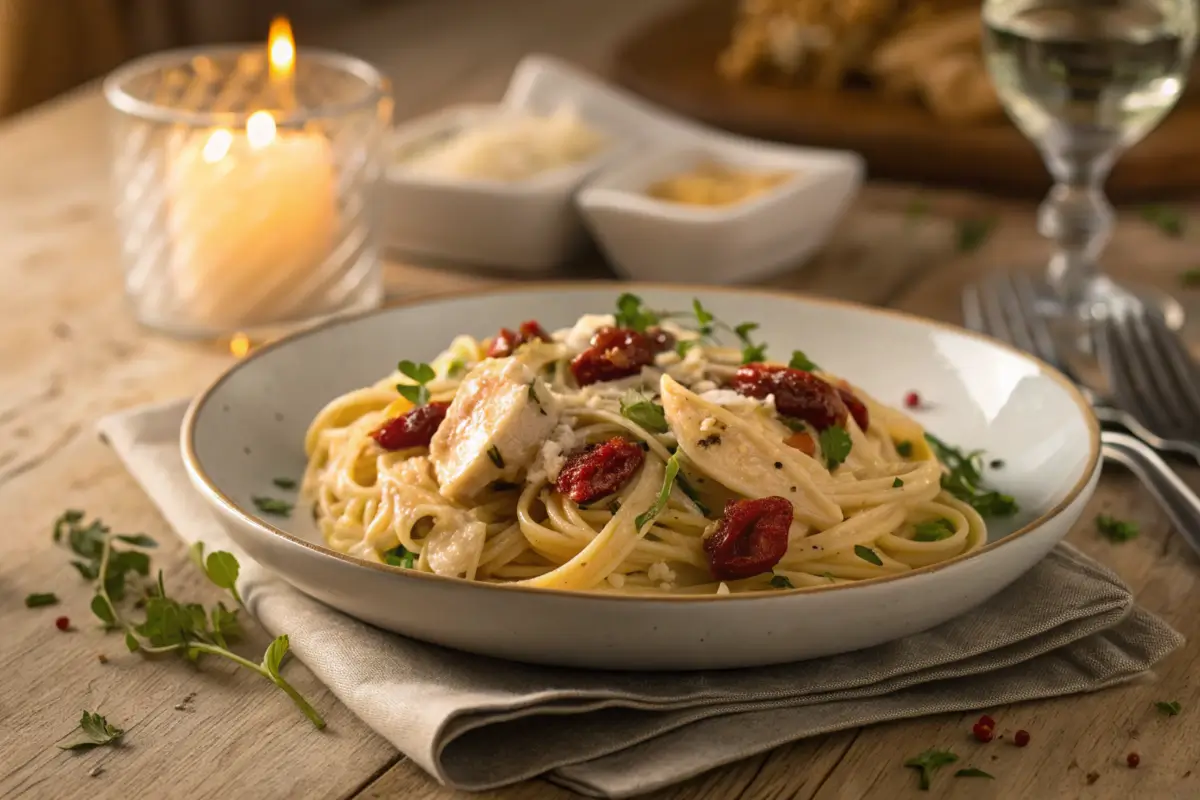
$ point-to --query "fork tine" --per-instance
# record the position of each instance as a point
(1044, 346)
(1000, 298)
(1127, 381)
(971, 310)
(1180, 361)
(1153, 362)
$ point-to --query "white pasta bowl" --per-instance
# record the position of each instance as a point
(249, 426)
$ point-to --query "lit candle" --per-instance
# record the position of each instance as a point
(252, 217)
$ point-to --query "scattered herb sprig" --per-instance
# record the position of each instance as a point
(643, 411)
(664, 494)
(800, 361)
(1116, 530)
(1170, 708)
(400, 556)
(287, 484)
(782, 582)
(972, 232)
(964, 479)
(933, 530)
(1168, 219)
(94, 731)
(868, 555)
(170, 626)
(930, 762)
(41, 599)
(973, 772)
(272, 505)
(835, 445)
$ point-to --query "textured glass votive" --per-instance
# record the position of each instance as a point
(246, 197)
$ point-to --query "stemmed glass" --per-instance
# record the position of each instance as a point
(1084, 80)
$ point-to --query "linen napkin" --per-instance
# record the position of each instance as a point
(1069, 625)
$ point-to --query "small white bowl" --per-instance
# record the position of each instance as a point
(528, 225)
(658, 240)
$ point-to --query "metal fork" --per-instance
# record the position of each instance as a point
(1005, 307)
(1152, 377)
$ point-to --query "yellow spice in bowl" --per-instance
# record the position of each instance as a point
(711, 184)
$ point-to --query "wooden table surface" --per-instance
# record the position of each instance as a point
(69, 352)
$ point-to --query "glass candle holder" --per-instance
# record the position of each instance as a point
(246, 189)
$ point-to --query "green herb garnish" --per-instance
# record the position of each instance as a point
(533, 397)
(703, 317)
(399, 556)
(1169, 708)
(284, 483)
(904, 449)
(1190, 278)
(420, 374)
(835, 445)
(664, 495)
(972, 233)
(38, 600)
(88, 543)
(801, 361)
(973, 772)
(964, 480)
(497, 459)
(1116, 530)
(633, 315)
(933, 531)
(95, 731)
(272, 506)
(896, 484)
(643, 411)
(455, 368)
(930, 762)
(868, 555)
(781, 582)
(1167, 219)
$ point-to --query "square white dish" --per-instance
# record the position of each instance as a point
(658, 240)
(529, 224)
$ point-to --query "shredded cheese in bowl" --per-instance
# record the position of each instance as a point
(511, 147)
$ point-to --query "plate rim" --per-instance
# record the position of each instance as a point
(202, 482)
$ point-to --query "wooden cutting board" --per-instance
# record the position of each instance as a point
(672, 62)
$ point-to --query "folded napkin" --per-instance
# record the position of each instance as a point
(1069, 625)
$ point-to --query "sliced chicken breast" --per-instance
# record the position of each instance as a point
(500, 416)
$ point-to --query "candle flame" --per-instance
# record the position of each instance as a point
(281, 48)
(217, 145)
(239, 345)
(260, 129)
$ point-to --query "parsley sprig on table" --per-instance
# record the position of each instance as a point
(169, 626)
(930, 762)
(94, 731)
(1116, 530)
(964, 480)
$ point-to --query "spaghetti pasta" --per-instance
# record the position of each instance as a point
(631, 453)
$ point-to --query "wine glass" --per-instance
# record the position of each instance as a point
(1084, 80)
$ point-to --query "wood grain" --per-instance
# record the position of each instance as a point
(70, 352)
(672, 62)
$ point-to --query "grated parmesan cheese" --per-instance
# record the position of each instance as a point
(548, 462)
(722, 588)
(660, 573)
(616, 580)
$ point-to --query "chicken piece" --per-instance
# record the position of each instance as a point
(500, 416)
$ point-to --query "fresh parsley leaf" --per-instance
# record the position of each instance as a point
(973, 232)
(686, 487)
(964, 479)
(632, 314)
(933, 531)
(904, 449)
(896, 484)
(1116, 530)
(801, 361)
(643, 411)
(400, 556)
(973, 772)
(222, 569)
(782, 582)
(930, 762)
(744, 330)
(1169, 708)
(664, 495)
(1168, 219)
(835, 445)
(684, 345)
(273, 658)
(753, 353)
(95, 731)
(455, 368)
(38, 600)
(272, 506)
(494, 455)
(65, 521)
(137, 539)
(287, 484)
(196, 555)
(868, 555)
(1190, 278)
(421, 374)
(103, 609)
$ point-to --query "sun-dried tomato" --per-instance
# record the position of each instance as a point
(506, 342)
(599, 470)
(414, 429)
(797, 393)
(615, 353)
(661, 340)
(750, 539)
(857, 408)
